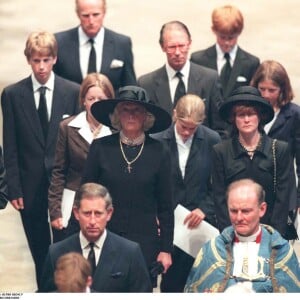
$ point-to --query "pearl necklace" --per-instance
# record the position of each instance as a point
(250, 150)
(129, 163)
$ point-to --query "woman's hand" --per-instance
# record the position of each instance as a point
(194, 218)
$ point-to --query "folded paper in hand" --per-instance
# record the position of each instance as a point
(67, 205)
(191, 240)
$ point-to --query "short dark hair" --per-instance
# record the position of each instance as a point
(173, 25)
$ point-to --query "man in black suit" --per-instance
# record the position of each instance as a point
(112, 52)
(227, 25)
(118, 264)
(162, 85)
(32, 109)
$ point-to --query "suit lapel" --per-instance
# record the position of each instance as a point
(56, 112)
(279, 122)
(107, 52)
(106, 261)
(163, 89)
(211, 54)
(30, 111)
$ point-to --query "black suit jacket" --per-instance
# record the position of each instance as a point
(243, 69)
(287, 128)
(194, 190)
(27, 155)
(121, 266)
(115, 47)
(202, 81)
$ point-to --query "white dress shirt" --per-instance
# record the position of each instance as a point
(85, 48)
(49, 92)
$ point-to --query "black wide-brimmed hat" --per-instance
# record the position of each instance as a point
(249, 96)
(101, 110)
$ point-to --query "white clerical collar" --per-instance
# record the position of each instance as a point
(256, 237)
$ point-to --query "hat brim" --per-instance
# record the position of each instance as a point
(101, 111)
(248, 100)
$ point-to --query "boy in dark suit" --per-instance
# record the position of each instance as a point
(92, 48)
(234, 65)
(32, 109)
(118, 265)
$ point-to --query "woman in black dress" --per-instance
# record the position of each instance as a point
(136, 169)
(250, 153)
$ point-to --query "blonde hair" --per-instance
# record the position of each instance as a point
(227, 19)
(72, 273)
(190, 107)
(99, 80)
(115, 119)
(42, 42)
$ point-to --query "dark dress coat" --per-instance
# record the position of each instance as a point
(115, 47)
(231, 162)
(243, 69)
(193, 191)
(121, 267)
(141, 198)
(29, 158)
(287, 128)
(202, 82)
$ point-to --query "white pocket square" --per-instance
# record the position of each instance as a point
(241, 79)
(116, 63)
(65, 116)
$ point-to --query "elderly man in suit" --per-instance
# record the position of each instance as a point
(117, 264)
(32, 109)
(179, 76)
(92, 48)
(234, 65)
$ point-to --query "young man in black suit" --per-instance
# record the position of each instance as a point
(234, 65)
(112, 54)
(163, 84)
(118, 265)
(32, 109)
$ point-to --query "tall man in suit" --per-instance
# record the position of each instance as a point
(234, 65)
(117, 264)
(190, 145)
(112, 51)
(32, 109)
(179, 74)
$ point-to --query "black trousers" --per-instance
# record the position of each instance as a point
(175, 278)
(37, 227)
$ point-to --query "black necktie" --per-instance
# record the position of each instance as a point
(91, 257)
(226, 70)
(42, 110)
(180, 89)
(92, 59)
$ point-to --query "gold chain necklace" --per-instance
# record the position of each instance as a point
(129, 163)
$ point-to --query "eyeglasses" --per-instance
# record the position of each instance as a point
(180, 47)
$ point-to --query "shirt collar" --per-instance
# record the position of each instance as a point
(49, 84)
(85, 243)
(232, 53)
(184, 71)
(179, 140)
(256, 237)
(83, 38)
